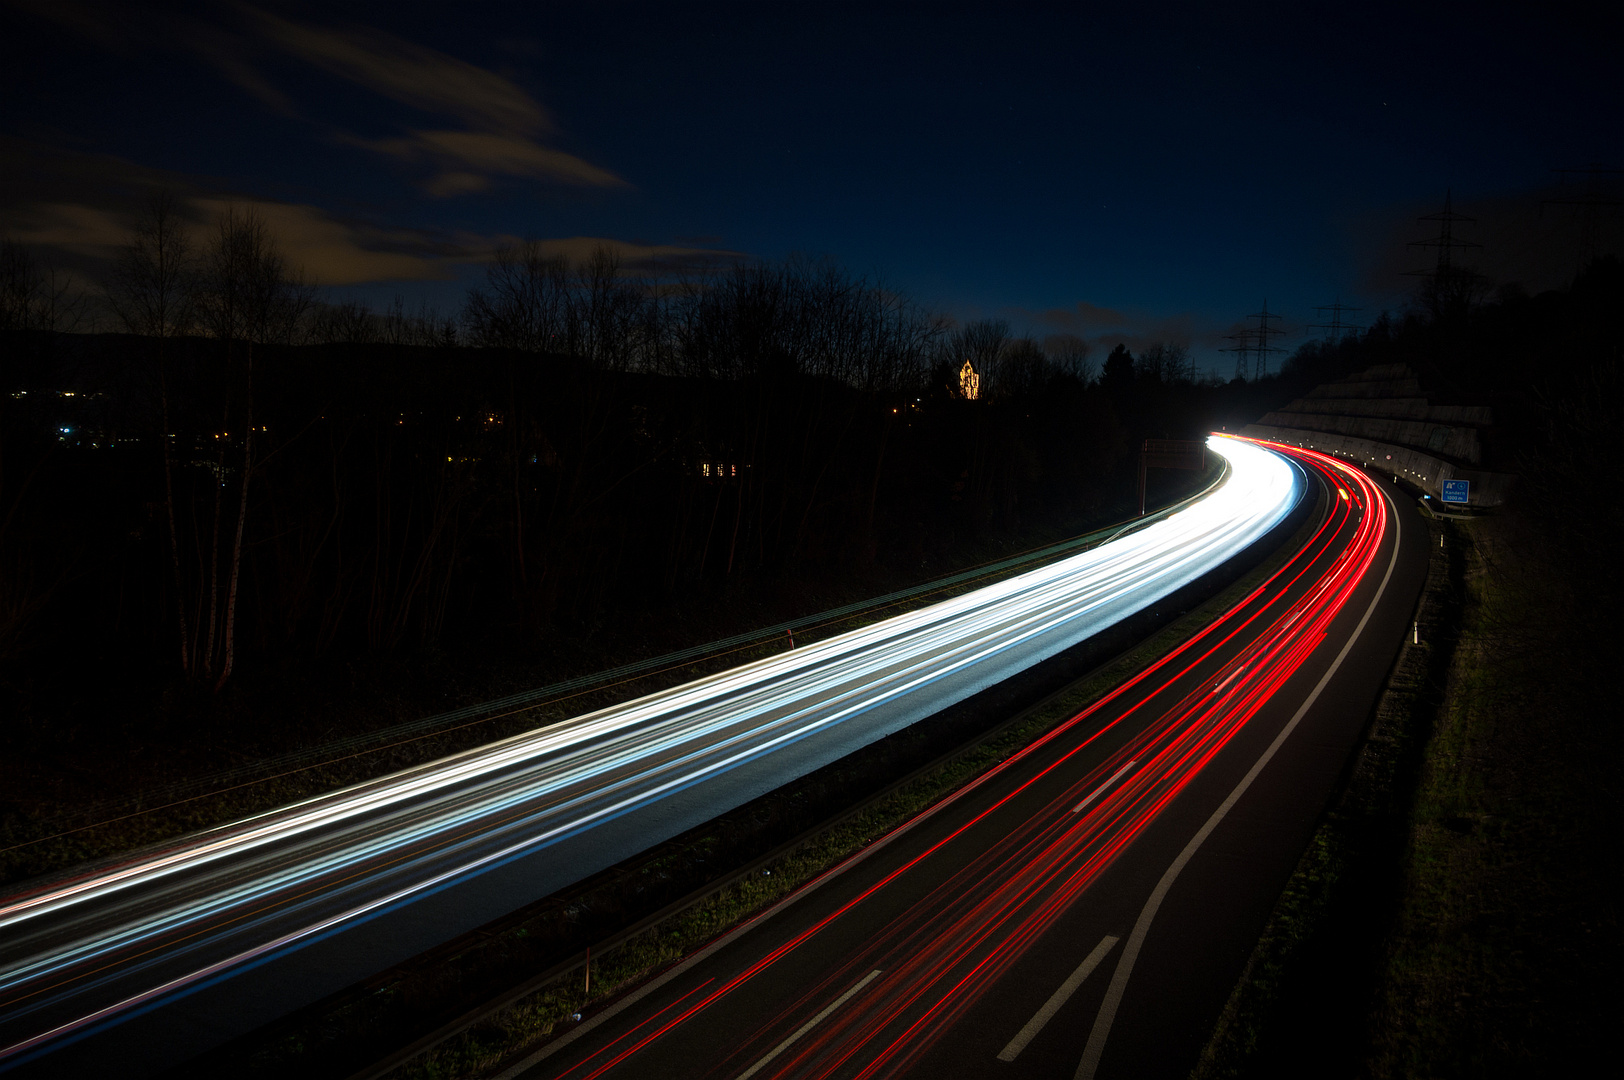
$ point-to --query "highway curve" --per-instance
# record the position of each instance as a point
(145, 961)
(1083, 909)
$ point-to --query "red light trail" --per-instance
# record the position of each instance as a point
(924, 969)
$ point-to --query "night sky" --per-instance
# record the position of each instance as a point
(1068, 168)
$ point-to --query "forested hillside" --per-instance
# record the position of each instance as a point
(580, 465)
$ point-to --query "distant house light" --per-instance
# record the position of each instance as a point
(969, 382)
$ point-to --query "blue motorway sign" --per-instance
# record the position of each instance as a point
(1455, 491)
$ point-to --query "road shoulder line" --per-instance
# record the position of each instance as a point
(1141, 928)
(1056, 1000)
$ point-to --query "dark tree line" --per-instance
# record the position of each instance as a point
(1550, 366)
(244, 474)
(239, 293)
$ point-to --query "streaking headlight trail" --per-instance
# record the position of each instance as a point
(904, 968)
(442, 848)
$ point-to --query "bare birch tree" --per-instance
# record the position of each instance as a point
(151, 292)
(1165, 362)
(247, 296)
(35, 294)
(523, 303)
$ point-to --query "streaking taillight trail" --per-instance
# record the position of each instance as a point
(78, 954)
(929, 965)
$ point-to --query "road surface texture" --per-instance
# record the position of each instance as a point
(1084, 909)
(145, 961)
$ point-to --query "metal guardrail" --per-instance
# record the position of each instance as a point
(441, 723)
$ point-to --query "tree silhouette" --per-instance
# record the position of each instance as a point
(153, 292)
(1118, 373)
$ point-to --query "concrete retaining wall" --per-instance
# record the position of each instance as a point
(1421, 469)
(1460, 443)
(1381, 381)
(1406, 408)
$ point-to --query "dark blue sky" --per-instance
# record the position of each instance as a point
(1123, 176)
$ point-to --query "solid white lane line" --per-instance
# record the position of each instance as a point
(808, 1026)
(1097, 792)
(1056, 1000)
(597, 742)
(1119, 982)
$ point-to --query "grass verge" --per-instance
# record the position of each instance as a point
(1505, 948)
(518, 1027)
(36, 841)
(1456, 912)
(1317, 939)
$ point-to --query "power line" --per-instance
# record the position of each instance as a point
(1254, 342)
(1336, 329)
(1591, 201)
(1445, 242)
(1242, 346)
(1260, 339)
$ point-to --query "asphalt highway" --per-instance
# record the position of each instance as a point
(1084, 909)
(145, 961)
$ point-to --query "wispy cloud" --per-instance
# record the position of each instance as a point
(329, 251)
(504, 131)
(485, 129)
(1107, 327)
(637, 257)
(233, 57)
(502, 122)
(411, 74)
(333, 251)
(81, 207)
(89, 231)
(467, 159)
(1081, 318)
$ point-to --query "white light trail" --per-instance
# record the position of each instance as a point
(340, 856)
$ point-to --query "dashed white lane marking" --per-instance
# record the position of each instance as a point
(808, 1026)
(1097, 792)
(1130, 952)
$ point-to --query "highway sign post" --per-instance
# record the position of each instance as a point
(1456, 491)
